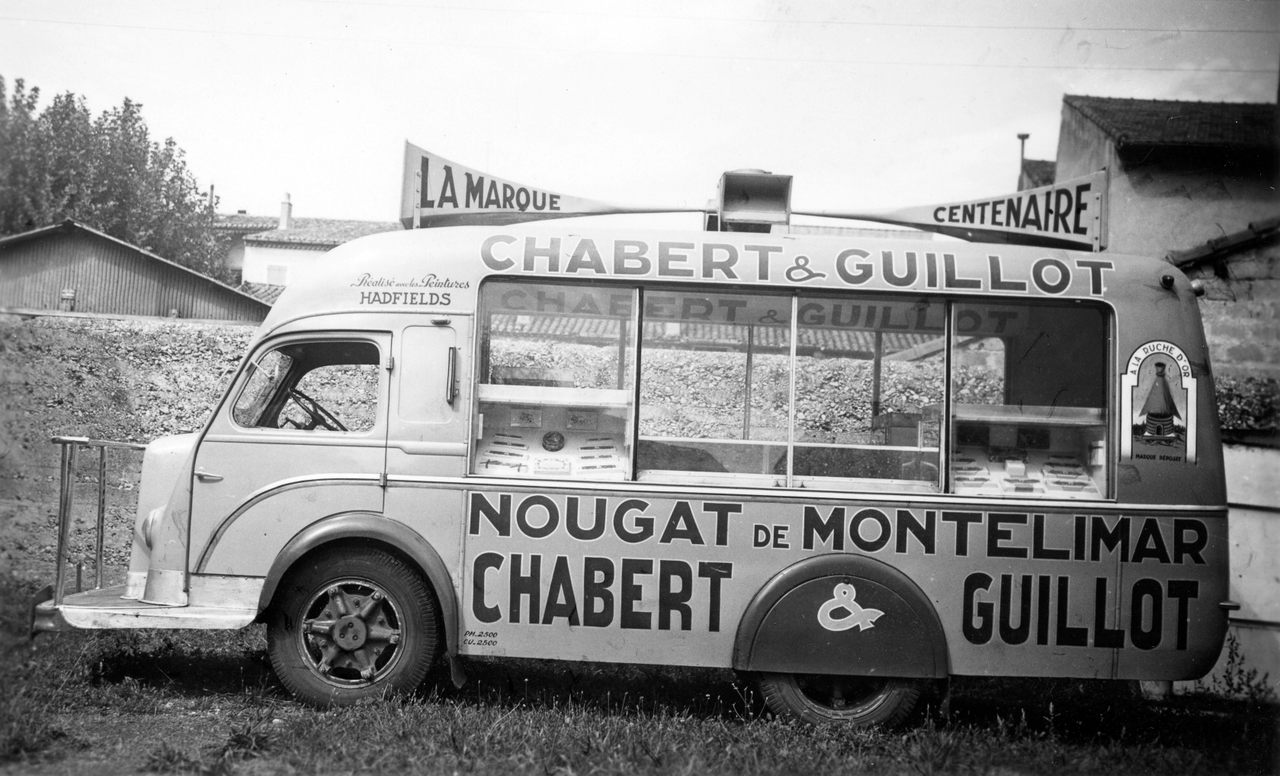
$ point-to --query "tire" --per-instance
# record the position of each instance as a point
(352, 624)
(860, 701)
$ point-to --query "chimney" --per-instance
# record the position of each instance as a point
(286, 213)
(1023, 183)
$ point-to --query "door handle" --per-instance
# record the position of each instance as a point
(205, 476)
(451, 377)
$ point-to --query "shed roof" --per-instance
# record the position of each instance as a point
(70, 225)
(1177, 123)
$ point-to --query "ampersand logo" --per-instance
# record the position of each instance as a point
(842, 597)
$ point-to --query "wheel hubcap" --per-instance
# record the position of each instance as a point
(350, 634)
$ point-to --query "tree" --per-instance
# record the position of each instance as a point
(105, 172)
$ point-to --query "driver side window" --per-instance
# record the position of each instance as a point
(312, 386)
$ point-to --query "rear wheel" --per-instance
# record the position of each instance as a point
(353, 624)
(862, 701)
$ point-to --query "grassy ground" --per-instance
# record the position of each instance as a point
(201, 702)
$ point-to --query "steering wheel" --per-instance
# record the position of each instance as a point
(319, 415)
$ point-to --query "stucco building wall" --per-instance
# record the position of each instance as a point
(276, 264)
(1163, 199)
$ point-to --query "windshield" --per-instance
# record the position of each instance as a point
(265, 376)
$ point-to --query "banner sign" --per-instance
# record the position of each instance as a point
(1068, 214)
(556, 572)
(440, 192)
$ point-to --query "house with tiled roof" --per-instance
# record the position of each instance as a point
(1036, 173)
(265, 250)
(1182, 173)
(1196, 183)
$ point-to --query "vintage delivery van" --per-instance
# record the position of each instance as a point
(847, 467)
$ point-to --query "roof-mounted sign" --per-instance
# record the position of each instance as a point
(440, 192)
(1067, 214)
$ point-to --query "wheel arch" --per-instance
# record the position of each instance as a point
(780, 630)
(371, 530)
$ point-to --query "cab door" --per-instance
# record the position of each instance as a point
(430, 399)
(301, 437)
(427, 447)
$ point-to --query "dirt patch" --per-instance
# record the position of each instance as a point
(101, 378)
(118, 379)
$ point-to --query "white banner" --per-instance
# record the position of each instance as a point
(1069, 214)
(440, 192)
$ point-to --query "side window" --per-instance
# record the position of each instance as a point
(781, 390)
(1029, 400)
(555, 391)
(870, 382)
(309, 386)
(715, 386)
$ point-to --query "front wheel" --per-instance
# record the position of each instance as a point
(861, 701)
(352, 624)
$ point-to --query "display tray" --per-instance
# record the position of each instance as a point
(533, 452)
(1028, 414)
(1014, 473)
(534, 395)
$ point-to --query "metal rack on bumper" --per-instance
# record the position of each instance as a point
(66, 492)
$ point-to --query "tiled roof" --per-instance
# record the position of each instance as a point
(1039, 172)
(1224, 125)
(323, 232)
(244, 224)
(714, 336)
(320, 232)
(264, 291)
(1257, 233)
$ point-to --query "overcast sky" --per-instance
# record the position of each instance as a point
(874, 104)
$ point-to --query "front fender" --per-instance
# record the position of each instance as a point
(161, 532)
(372, 528)
(841, 615)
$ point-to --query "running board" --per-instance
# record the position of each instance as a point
(105, 608)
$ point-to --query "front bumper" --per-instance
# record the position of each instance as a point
(107, 609)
